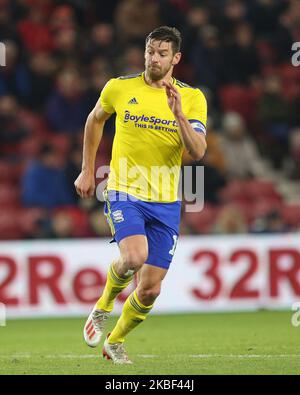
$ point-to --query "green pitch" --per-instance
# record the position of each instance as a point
(237, 343)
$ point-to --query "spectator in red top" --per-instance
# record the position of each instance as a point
(35, 32)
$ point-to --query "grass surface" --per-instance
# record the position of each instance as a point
(236, 343)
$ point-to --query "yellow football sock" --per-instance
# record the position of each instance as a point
(134, 312)
(114, 285)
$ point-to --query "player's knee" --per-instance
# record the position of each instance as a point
(134, 259)
(148, 295)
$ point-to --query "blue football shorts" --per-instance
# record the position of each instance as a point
(159, 222)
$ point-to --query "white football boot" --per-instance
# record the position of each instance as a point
(116, 352)
(94, 327)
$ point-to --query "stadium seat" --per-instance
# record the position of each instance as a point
(253, 197)
(105, 146)
(238, 99)
(290, 76)
(102, 160)
(202, 221)
(257, 189)
(9, 171)
(291, 214)
(30, 147)
(9, 195)
(234, 190)
(289, 73)
(33, 122)
(9, 224)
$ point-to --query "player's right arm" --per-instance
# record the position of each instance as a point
(93, 131)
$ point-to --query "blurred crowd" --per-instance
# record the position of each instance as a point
(59, 55)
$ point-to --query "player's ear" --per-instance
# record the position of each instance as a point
(176, 59)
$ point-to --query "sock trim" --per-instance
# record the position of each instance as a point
(137, 305)
(140, 303)
(117, 279)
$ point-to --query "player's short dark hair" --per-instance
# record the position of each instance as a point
(168, 34)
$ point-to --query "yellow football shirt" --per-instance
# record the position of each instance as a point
(147, 149)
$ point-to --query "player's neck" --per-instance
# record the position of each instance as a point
(159, 83)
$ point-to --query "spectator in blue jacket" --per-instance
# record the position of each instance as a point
(44, 183)
(67, 107)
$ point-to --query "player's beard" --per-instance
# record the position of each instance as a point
(157, 73)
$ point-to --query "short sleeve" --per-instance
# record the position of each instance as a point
(107, 96)
(197, 115)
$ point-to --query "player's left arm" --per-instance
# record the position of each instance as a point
(193, 141)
